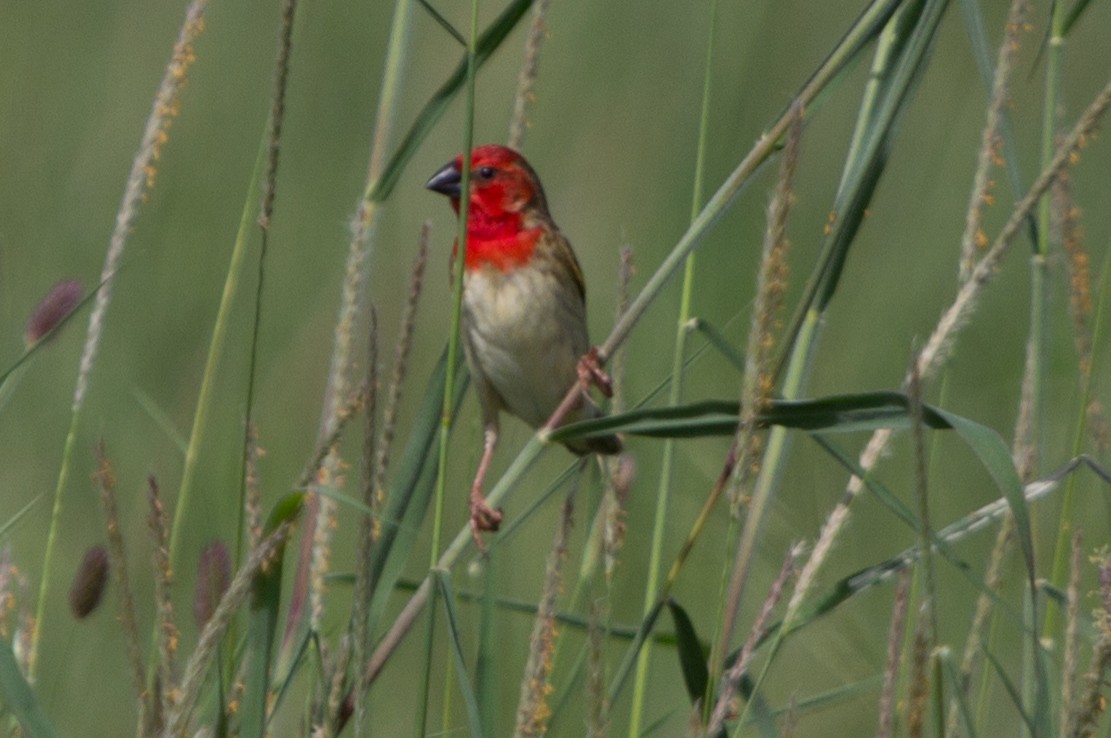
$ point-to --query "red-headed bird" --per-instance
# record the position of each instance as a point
(524, 307)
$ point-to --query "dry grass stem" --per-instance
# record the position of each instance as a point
(757, 383)
(526, 79)
(323, 531)
(533, 711)
(163, 582)
(354, 404)
(233, 599)
(789, 724)
(984, 607)
(618, 484)
(213, 579)
(730, 686)
(919, 674)
(277, 113)
(252, 500)
(625, 272)
(1071, 656)
(319, 514)
(597, 705)
(1024, 451)
(106, 480)
(360, 627)
(921, 483)
(336, 689)
(315, 470)
(894, 651)
(13, 589)
(1093, 703)
(771, 285)
(166, 107)
(974, 237)
(400, 366)
(1066, 221)
(939, 346)
(694, 721)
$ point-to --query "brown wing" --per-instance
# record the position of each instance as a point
(565, 256)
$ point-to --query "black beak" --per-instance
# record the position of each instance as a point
(446, 181)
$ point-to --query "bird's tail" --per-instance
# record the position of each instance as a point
(608, 445)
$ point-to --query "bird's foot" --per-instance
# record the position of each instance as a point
(591, 373)
(483, 518)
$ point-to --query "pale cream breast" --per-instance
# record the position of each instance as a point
(526, 336)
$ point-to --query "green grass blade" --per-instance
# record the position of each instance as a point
(1074, 16)
(993, 453)
(692, 653)
(626, 667)
(443, 579)
(18, 696)
(911, 48)
(974, 23)
(895, 70)
(9, 526)
(937, 539)
(953, 679)
(823, 700)
(1009, 688)
(717, 340)
(443, 22)
(411, 490)
(437, 105)
(836, 413)
(262, 623)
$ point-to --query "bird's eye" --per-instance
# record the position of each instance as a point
(485, 172)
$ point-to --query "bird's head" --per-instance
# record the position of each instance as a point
(507, 215)
(504, 188)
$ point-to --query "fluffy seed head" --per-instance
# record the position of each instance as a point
(213, 577)
(89, 583)
(55, 307)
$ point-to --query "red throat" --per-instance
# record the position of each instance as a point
(495, 238)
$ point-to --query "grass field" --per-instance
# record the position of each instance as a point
(661, 132)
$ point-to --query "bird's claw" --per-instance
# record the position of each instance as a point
(483, 518)
(591, 373)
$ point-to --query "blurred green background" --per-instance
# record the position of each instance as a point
(613, 135)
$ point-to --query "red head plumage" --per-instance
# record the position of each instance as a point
(508, 210)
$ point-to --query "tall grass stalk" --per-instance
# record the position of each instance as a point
(756, 389)
(359, 625)
(1038, 287)
(526, 78)
(675, 394)
(217, 344)
(141, 178)
(196, 668)
(972, 240)
(106, 480)
(938, 347)
(991, 143)
(351, 293)
(453, 351)
(266, 212)
(851, 44)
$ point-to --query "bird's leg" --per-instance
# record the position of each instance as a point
(591, 373)
(484, 517)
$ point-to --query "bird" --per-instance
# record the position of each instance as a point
(523, 320)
